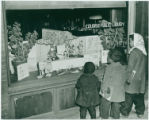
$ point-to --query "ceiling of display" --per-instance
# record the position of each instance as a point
(11, 5)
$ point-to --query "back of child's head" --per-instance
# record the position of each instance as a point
(117, 55)
(89, 68)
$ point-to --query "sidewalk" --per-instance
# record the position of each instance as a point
(131, 116)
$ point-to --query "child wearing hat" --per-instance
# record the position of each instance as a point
(112, 86)
(88, 87)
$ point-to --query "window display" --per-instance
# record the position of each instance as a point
(59, 51)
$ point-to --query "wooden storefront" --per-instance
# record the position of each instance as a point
(49, 95)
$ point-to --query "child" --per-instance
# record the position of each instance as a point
(135, 87)
(88, 87)
(112, 87)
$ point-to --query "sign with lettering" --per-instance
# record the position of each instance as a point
(104, 56)
(104, 25)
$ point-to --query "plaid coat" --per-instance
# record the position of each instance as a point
(88, 87)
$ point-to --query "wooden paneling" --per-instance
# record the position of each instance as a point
(33, 104)
(11, 5)
(66, 97)
(49, 95)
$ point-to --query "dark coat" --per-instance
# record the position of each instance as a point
(136, 62)
(88, 87)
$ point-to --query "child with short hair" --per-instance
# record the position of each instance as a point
(88, 87)
(112, 86)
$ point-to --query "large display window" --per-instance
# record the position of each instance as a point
(46, 43)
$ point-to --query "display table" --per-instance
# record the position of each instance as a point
(48, 95)
(72, 63)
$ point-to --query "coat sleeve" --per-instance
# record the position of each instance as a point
(131, 68)
(98, 83)
(78, 83)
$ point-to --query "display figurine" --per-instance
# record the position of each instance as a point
(11, 58)
(66, 53)
(48, 68)
(42, 66)
(52, 53)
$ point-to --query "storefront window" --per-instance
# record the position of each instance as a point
(47, 43)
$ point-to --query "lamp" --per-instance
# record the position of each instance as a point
(95, 17)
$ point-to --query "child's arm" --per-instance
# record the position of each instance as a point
(102, 72)
(78, 84)
(99, 86)
(98, 83)
(131, 67)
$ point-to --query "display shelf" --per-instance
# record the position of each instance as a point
(32, 83)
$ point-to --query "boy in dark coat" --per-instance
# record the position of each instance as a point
(88, 87)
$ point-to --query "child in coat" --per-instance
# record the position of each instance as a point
(88, 87)
(112, 86)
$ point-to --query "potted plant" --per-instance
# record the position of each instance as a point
(31, 38)
(15, 40)
(112, 36)
(19, 49)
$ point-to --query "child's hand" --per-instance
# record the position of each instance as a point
(127, 82)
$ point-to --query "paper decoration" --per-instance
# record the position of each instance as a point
(22, 71)
(75, 46)
(95, 58)
(60, 49)
(32, 59)
(42, 51)
(85, 45)
(92, 44)
(56, 37)
(104, 56)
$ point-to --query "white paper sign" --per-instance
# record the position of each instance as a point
(92, 44)
(22, 71)
(104, 56)
(95, 58)
(32, 59)
(60, 49)
(42, 52)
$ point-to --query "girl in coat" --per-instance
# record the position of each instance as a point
(112, 86)
(88, 87)
(135, 87)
